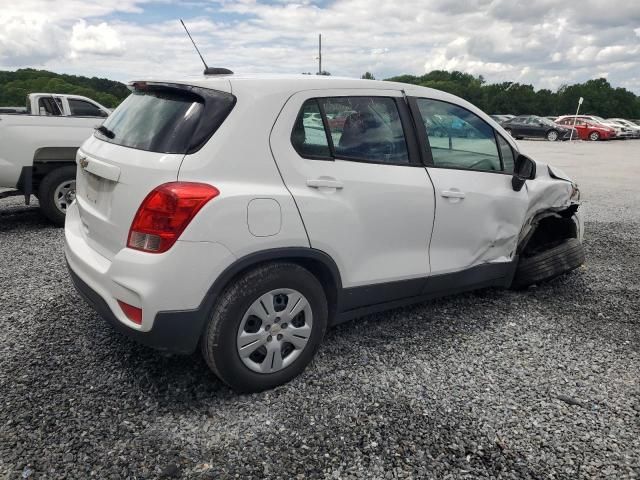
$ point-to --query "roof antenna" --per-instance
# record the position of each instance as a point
(207, 70)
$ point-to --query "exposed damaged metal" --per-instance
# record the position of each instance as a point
(551, 216)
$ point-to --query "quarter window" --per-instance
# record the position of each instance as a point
(308, 136)
(459, 138)
(508, 158)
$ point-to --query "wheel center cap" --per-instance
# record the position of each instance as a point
(275, 328)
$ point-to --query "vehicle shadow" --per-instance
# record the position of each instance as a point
(17, 216)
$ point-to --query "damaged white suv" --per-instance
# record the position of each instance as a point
(246, 214)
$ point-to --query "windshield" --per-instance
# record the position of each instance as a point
(166, 119)
(546, 121)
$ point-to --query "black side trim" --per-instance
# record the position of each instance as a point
(356, 297)
(390, 295)
(25, 183)
(179, 331)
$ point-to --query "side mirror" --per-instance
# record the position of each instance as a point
(524, 169)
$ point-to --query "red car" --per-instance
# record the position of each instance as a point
(588, 130)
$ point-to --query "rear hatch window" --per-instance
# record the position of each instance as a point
(166, 118)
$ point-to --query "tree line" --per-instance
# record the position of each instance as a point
(15, 86)
(600, 98)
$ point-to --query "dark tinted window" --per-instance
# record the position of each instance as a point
(508, 157)
(366, 128)
(50, 106)
(458, 138)
(167, 120)
(80, 108)
(308, 136)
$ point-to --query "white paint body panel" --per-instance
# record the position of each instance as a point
(21, 136)
(377, 226)
(479, 228)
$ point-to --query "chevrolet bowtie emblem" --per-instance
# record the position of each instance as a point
(84, 163)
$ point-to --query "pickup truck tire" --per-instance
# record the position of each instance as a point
(57, 190)
(549, 264)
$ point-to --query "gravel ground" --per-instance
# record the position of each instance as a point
(492, 384)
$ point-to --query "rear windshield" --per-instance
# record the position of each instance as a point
(166, 119)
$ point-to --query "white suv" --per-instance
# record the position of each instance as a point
(246, 214)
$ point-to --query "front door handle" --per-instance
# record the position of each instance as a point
(324, 182)
(452, 194)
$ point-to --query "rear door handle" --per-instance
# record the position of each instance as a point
(452, 194)
(324, 182)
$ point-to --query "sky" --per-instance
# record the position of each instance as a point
(543, 42)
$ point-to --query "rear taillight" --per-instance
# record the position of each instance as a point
(165, 213)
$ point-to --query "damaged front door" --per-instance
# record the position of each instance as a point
(478, 214)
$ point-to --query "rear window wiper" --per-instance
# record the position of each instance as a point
(105, 131)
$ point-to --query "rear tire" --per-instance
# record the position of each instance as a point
(594, 136)
(549, 264)
(56, 192)
(222, 338)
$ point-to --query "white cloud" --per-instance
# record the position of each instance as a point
(544, 42)
(100, 39)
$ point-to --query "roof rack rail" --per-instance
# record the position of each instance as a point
(217, 71)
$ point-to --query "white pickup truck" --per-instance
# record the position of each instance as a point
(38, 148)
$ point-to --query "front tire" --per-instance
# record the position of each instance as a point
(266, 327)
(552, 135)
(549, 264)
(56, 192)
(594, 136)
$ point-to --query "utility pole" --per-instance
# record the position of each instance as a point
(319, 54)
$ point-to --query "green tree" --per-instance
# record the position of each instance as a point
(15, 86)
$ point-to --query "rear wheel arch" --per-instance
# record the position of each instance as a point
(315, 261)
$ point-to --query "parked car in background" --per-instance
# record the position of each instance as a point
(185, 235)
(621, 132)
(532, 126)
(589, 129)
(38, 148)
(501, 118)
(635, 129)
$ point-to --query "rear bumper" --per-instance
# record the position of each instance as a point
(170, 288)
(176, 332)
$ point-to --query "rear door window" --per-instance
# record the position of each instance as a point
(167, 119)
(366, 129)
(82, 108)
(50, 106)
